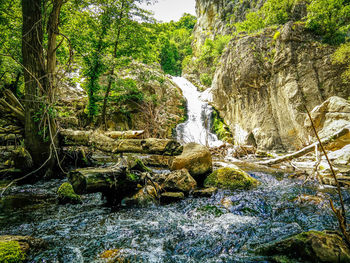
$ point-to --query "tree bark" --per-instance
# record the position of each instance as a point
(52, 31)
(111, 73)
(34, 76)
(94, 180)
(39, 76)
(104, 143)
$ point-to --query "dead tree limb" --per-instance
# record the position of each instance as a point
(104, 143)
(343, 132)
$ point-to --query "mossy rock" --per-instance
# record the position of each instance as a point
(11, 251)
(311, 246)
(66, 194)
(230, 178)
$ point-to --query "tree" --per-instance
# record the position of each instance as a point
(39, 75)
(11, 73)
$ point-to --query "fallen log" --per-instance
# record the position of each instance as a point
(15, 112)
(93, 180)
(11, 129)
(124, 134)
(13, 99)
(104, 143)
(341, 134)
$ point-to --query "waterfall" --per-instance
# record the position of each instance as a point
(197, 127)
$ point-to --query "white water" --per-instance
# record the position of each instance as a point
(197, 127)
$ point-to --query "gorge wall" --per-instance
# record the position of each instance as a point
(263, 80)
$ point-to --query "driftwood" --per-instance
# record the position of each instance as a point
(104, 143)
(124, 134)
(326, 141)
(93, 180)
(11, 130)
(11, 106)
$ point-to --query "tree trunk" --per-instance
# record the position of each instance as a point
(104, 143)
(111, 73)
(34, 76)
(40, 128)
(52, 31)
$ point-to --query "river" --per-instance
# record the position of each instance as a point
(226, 227)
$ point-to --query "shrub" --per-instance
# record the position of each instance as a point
(342, 56)
(10, 252)
(205, 79)
(330, 19)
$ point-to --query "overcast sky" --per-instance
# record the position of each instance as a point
(166, 10)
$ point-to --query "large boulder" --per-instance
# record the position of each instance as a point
(330, 117)
(312, 246)
(171, 197)
(67, 195)
(231, 178)
(341, 157)
(179, 180)
(145, 196)
(196, 159)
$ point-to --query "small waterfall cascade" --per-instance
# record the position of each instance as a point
(197, 127)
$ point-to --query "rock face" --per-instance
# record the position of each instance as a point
(196, 159)
(329, 117)
(230, 178)
(267, 80)
(263, 80)
(213, 17)
(312, 246)
(148, 100)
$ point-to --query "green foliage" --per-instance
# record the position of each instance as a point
(342, 56)
(10, 252)
(174, 43)
(205, 79)
(220, 128)
(212, 50)
(169, 58)
(273, 12)
(11, 73)
(276, 35)
(126, 90)
(330, 19)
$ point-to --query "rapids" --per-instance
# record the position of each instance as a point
(227, 227)
(193, 230)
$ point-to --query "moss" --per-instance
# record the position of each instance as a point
(230, 178)
(66, 194)
(220, 128)
(10, 251)
(140, 166)
(276, 35)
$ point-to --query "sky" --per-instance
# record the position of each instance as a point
(167, 10)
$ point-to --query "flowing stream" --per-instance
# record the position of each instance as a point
(193, 230)
(226, 227)
(197, 127)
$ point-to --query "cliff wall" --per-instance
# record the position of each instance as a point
(263, 81)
